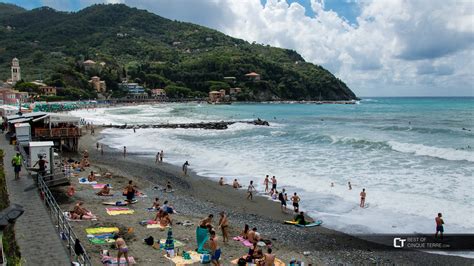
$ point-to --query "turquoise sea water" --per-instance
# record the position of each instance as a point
(413, 155)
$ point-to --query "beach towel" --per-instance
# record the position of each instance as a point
(83, 181)
(157, 226)
(107, 260)
(101, 230)
(119, 210)
(277, 261)
(101, 241)
(201, 237)
(243, 241)
(100, 186)
(180, 261)
(145, 222)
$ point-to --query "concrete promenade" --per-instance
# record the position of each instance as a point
(35, 233)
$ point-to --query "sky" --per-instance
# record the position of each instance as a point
(379, 48)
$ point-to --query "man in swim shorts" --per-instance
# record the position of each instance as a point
(439, 226)
(296, 202)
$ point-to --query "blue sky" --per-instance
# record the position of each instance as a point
(379, 48)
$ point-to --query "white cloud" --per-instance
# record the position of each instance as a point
(397, 47)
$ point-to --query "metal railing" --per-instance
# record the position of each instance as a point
(57, 214)
(63, 225)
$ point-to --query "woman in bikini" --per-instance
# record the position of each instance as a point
(122, 249)
(224, 225)
(81, 212)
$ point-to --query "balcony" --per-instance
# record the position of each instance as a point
(62, 132)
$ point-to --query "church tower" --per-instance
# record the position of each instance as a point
(16, 75)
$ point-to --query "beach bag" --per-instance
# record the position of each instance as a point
(149, 241)
(205, 258)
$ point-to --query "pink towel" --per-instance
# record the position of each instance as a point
(244, 242)
(114, 260)
(98, 186)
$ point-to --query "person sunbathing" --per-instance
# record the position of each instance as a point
(82, 212)
(245, 232)
(156, 204)
(105, 191)
(253, 236)
(91, 177)
(165, 220)
(71, 191)
(236, 184)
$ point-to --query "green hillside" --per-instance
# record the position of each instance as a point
(187, 59)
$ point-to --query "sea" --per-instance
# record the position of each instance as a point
(414, 156)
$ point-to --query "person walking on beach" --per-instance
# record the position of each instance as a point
(122, 249)
(124, 151)
(296, 202)
(224, 225)
(161, 156)
(274, 183)
(215, 250)
(265, 182)
(350, 186)
(362, 198)
(185, 168)
(250, 191)
(16, 163)
(157, 158)
(281, 198)
(101, 149)
(439, 226)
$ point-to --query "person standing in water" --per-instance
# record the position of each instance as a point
(349, 184)
(281, 198)
(362, 198)
(265, 182)
(296, 202)
(157, 158)
(161, 156)
(185, 168)
(274, 182)
(439, 226)
(124, 151)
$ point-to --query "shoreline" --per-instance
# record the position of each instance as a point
(326, 246)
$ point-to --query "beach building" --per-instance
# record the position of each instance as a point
(16, 73)
(158, 93)
(63, 130)
(134, 90)
(48, 90)
(9, 96)
(97, 84)
(7, 110)
(217, 96)
(253, 76)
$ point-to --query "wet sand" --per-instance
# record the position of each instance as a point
(196, 197)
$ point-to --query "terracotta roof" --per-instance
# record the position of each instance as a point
(252, 74)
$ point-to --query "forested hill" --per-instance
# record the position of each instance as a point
(185, 58)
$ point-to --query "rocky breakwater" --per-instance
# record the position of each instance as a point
(204, 125)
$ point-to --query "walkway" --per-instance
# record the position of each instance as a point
(35, 233)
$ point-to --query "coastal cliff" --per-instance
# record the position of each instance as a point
(186, 59)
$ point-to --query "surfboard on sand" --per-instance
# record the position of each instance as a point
(315, 223)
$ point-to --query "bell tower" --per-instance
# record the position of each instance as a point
(16, 75)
